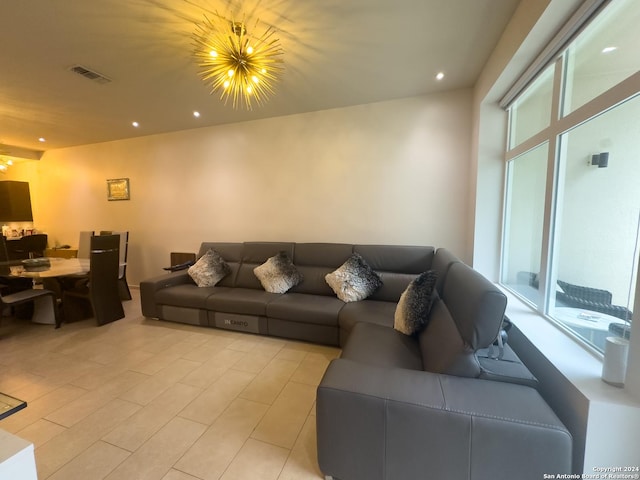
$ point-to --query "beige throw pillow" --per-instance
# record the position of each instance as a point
(209, 269)
(278, 274)
(354, 280)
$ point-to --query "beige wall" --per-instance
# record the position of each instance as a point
(392, 172)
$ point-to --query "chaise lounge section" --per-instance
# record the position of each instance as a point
(434, 404)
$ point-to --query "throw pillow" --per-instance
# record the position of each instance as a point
(354, 280)
(278, 274)
(412, 311)
(209, 269)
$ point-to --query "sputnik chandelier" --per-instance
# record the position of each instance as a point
(235, 62)
(5, 163)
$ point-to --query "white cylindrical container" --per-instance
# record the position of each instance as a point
(614, 366)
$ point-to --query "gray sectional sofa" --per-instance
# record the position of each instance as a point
(310, 311)
(437, 404)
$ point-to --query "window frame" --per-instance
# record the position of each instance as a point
(554, 189)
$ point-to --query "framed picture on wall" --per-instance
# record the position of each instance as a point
(117, 189)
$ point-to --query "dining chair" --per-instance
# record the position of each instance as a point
(4, 255)
(99, 296)
(32, 246)
(123, 286)
(8, 283)
(31, 296)
(84, 244)
(59, 284)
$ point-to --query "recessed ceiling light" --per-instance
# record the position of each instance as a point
(42, 139)
(440, 76)
(196, 114)
(135, 124)
(609, 49)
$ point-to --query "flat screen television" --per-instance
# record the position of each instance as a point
(15, 202)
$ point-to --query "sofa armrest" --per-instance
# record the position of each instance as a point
(383, 423)
(149, 287)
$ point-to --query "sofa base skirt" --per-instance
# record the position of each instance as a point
(192, 316)
(309, 332)
(325, 334)
(238, 322)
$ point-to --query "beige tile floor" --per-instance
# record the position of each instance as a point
(144, 399)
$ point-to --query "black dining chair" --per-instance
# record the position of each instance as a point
(123, 286)
(9, 284)
(18, 291)
(32, 246)
(98, 295)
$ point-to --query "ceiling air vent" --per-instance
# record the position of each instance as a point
(90, 74)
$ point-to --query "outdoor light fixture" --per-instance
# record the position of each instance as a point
(600, 159)
(236, 62)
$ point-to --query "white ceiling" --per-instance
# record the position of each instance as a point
(337, 53)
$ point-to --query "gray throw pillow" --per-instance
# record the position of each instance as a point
(278, 274)
(209, 269)
(412, 311)
(354, 280)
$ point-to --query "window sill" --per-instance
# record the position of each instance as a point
(578, 364)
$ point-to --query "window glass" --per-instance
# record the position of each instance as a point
(593, 225)
(523, 222)
(603, 55)
(531, 112)
(597, 224)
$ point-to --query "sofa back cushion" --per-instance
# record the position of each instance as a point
(314, 261)
(476, 305)
(255, 254)
(443, 348)
(442, 261)
(397, 266)
(232, 255)
(466, 318)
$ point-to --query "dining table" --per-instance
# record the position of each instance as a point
(44, 267)
(46, 272)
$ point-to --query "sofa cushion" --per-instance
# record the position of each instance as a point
(255, 254)
(442, 261)
(186, 295)
(232, 254)
(354, 280)
(382, 347)
(278, 274)
(209, 269)
(314, 261)
(412, 311)
(476, 305)
(247, 301)
(443, 348)
(369, 311)
(397, 266)
(301, 307)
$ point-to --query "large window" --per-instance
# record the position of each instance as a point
(525, 216)
(572, 206)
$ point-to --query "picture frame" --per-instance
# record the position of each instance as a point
(118, 189)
